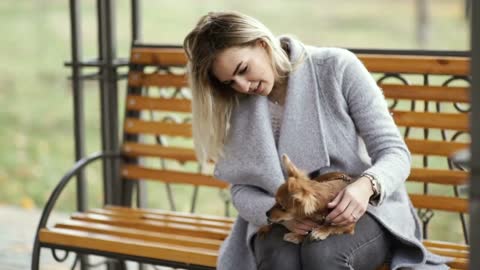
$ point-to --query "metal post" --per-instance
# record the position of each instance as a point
(136, 22)
(475, 133)
(108, 104)
(108, 97)
(78, 116)
(137, 37)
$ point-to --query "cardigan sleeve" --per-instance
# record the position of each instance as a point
(251, 203)
(391, 160)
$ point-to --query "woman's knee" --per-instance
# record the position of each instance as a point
(280, 261)
(314, 257)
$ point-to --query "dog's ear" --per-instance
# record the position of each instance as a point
(293, 185)
(303, 195)
(292, 171)
(307, 200)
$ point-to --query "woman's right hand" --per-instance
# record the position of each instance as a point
(301, 226)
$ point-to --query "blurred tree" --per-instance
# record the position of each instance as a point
(468, 9)
(422, 23)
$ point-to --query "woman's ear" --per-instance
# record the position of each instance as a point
(262, 43)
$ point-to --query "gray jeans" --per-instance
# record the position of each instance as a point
(368, 248)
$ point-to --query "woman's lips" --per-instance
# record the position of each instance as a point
(258, 90)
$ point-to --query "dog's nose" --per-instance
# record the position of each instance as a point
(268, 213)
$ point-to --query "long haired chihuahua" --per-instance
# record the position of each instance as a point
(300, 197)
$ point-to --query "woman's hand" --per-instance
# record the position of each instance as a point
(351, 203)
(301, 226)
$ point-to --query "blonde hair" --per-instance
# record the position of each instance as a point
(212, 101)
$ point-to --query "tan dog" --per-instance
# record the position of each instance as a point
(300, 197)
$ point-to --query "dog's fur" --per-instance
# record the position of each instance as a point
(300, 197)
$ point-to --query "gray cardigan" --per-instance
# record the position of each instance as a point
(335, 119)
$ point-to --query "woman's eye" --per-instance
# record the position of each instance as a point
(243, 70)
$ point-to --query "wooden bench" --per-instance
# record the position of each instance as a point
(157, 146)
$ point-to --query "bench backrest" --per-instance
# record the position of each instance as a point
(429, 99)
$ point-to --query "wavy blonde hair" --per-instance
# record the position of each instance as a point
(212, 101)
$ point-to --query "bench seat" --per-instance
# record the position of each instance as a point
(157, 235)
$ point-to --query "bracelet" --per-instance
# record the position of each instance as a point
(374, 183)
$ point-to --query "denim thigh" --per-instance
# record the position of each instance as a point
(367, 249)
(272, 252)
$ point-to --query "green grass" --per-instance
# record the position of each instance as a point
(36, 138)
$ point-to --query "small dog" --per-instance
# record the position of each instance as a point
(300, 197)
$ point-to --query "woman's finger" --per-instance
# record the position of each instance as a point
(345, 216)
(351, 216)
(336, 200)
(308, 222)
(336, 214)
(300, 225)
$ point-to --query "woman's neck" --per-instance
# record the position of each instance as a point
(278, 93)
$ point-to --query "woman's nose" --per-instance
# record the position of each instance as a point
(243, 85)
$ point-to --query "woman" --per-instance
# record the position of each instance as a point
(256, 97)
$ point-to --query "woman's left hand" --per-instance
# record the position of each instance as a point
(351, 203)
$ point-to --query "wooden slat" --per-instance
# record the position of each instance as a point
(445, 245)
(458, 263)
(156, 226)
(128, 246)
(163, 218)
(138, 103)
(155, 150)
(445, 177)
(428, 93)
(416, 64)
(134, 126)
(139, 79)
(137, 172)
(451, 121)
(443, 203)
(158, 237)
(171, 213)
(374, 63)
(159, 56)
(438, 148)
(449, 252)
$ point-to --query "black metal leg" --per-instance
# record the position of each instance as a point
(36, 255)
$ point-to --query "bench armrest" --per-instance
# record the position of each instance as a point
(79, 165)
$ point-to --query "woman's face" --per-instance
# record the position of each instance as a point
(245, 69)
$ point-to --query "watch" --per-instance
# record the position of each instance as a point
(375, 186)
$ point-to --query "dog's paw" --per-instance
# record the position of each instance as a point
(319, 234)
(293, 238)
(350, 229)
